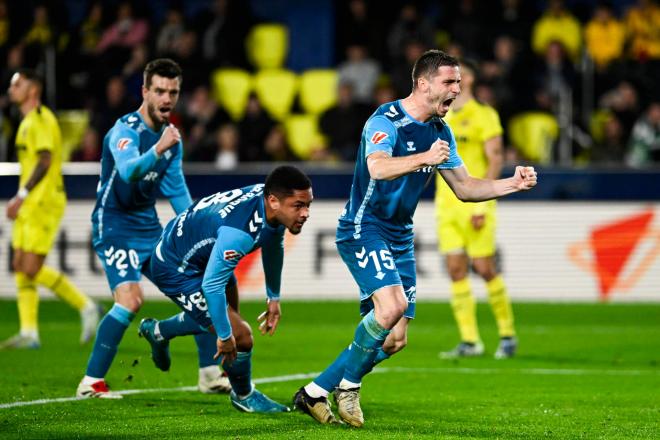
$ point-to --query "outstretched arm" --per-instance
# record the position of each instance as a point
(272, 258)
(472, 189)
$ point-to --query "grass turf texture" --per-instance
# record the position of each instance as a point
(583, 371)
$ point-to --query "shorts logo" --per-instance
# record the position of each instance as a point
(232, 255)
(379, 137)
(123, 143)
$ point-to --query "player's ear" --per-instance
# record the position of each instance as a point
(273, 202)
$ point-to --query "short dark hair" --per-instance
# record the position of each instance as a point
(284, 180)
(31, 75)
(428, 64)
(164, 67)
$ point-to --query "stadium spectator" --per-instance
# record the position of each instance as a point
(403, 145)
(642, 23)
(512, 18)
(361, 71)
(623, 101)
(223, 29)
(342, 124)
(465, 25)
(611, 149)
(171, 30)
(254, 128)
(359, 23)
(644, 144)
(201, 281)
(141, 160)
(276, 147)
(554, 73)
(226, 143)
(604, 36)
(557, 24)
(126, 32)
(37, 210)
(132, 71)
(201, 118)
(400, 72)
(90, 147)
(115, 104)
(411, 25)
(466, 231)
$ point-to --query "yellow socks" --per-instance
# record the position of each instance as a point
(28, 304)
(62, 287)
(501, 305)
(464, 306)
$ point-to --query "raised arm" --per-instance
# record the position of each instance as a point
(472, 189)
(131, 165)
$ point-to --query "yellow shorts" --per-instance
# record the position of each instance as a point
(36, 227)
(456, 233)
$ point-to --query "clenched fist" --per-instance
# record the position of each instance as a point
(524, 178)
(168, 139)
(437, 154)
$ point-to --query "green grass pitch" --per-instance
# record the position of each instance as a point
(583, 371)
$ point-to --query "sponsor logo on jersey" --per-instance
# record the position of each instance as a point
(231, 255)
(123, 143)
(379, 137)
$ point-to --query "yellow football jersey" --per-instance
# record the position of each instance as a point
(39, 131)
(473, 125)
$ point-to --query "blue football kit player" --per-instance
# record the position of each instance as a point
(403, 144)
(141, 160)
(194, 261)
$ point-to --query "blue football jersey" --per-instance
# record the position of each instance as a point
(390, 205)
(209, 239)
(132, 177)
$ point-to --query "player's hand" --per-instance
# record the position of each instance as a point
(226, 349)
(168, 139)
(438, 153)
(478, 221)
(13, 206)
(524, 178)
(269, 319)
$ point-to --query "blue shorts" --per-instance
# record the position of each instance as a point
(125, 260)
(184, 290)
(376, 263)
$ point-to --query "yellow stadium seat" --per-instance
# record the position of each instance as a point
(533, 134)
(303, 135)
(231, 89)
(276, 89)
(267, 45)
(73, 124)
(318, 90)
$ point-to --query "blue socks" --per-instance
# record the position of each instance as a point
(240, 374)
(109, 334)
(206, 348)
(182, 325)
(179, 325)
(330, 377)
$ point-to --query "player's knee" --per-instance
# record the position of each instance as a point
(132, 302)
(243, 336)
(485, 269)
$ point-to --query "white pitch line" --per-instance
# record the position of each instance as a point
(290, 377)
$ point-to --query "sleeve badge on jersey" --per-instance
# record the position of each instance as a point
(231, 255)
(379, 137)
(123, 143)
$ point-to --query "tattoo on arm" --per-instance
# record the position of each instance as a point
(40, 170)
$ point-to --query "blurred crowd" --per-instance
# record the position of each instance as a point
(586, 72)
